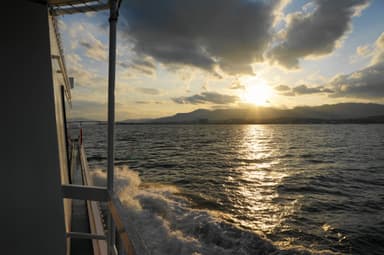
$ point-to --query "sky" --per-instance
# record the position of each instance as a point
(180, 55)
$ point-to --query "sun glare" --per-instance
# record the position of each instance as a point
(257, 92)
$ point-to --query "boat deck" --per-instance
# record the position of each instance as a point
(79, 222)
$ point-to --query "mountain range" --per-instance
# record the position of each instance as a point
(336, 113)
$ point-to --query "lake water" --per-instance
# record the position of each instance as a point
(248, 189)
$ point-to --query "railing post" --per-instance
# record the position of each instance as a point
(64, 114)
(111, 115)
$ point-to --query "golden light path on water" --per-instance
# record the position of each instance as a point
(256, 195)
(310, 188)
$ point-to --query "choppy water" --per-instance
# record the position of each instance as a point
(249, 189)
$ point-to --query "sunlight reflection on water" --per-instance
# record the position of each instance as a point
(314, 186)
(257, 192)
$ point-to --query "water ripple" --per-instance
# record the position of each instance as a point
(314, 186)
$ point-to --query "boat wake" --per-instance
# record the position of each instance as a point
(160, 220)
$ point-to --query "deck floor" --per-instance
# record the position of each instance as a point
(80, 221)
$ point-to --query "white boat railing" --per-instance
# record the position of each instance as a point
(87, 191)
(93, 195)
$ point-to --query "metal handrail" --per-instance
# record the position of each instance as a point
(120, 228)
(77, 6)
(113, 216)
(96, 232)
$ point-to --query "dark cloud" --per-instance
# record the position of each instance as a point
(326, 90)
(144, 70)
(206, 97)
(282, 88)
(86, 45)
(302, 90)
(366, 83)
(124, 65)
(141, 65)
(148, 91)
(316, 33)
(144, 63)
(228, 33)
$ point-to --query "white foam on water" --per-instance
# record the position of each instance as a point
(161, 222)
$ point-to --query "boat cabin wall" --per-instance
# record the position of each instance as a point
(59, 87)
(32, 211)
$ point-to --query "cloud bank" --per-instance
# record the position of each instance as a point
(206, 98)
(367, 83)
(301, 90)
(230, 34)
(282, 88)
(233, 34)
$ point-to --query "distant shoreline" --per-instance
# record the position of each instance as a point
(343, 113)
(297, 122)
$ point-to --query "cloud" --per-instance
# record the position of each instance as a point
(304, 89)
(363, 50)
(289, 94)
(367, 83)
(206, 97)
(148, 91)
(327, 90)
(301, 90)
(145, 66)
(144, 63)
(230, 34)
(375, 51)
(316, 33)
(88, 109)
(148, 102)
(378, 56)
(95, 49)
(62, 25)
(96, 110)
(237, 85)
(83, 77)
(282, 88)
(86, 45)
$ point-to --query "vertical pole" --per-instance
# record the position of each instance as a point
(111, 116)
(64, 112)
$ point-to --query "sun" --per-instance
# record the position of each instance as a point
(257, 92)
